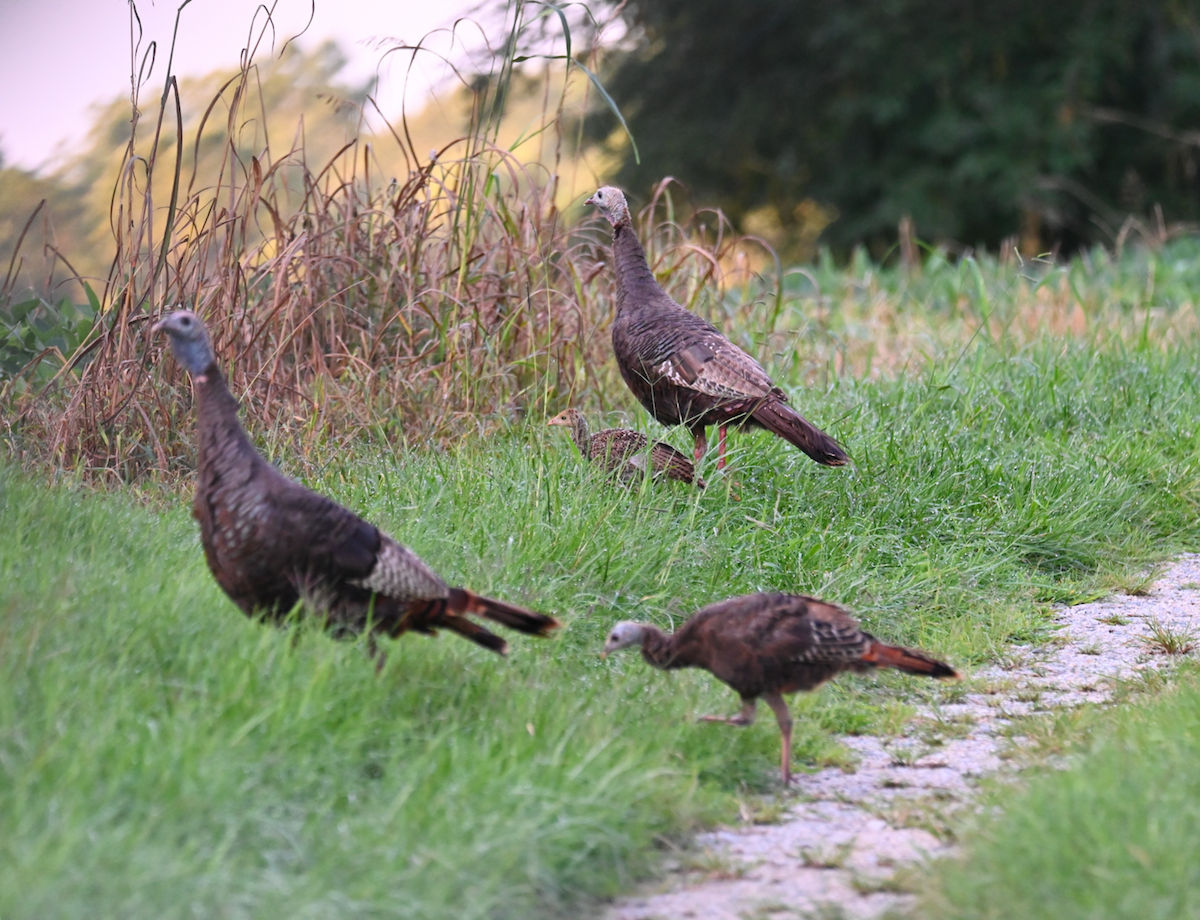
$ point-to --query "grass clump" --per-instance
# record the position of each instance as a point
(1114, 836)
(1163, 638)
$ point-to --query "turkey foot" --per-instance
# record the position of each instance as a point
(734, 488)
(744, 717)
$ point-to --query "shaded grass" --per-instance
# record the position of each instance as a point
(1114, 836)
(160, 755)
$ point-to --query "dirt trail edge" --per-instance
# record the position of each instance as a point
(836, 851)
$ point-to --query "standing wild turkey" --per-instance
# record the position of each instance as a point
(623, 451)
(270, 542)
(681, 368)
(766, 645)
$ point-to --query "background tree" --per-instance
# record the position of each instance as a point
(978, 119)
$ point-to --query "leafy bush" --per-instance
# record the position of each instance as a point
(38, 338)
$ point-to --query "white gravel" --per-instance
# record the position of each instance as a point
(835, 851)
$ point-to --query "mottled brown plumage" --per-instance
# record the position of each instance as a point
(624, 453)
(271, 542)
(681, 368)
(766, 645)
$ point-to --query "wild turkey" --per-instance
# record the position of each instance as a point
(766, 645)
(271, 542)
(623, 452)
(681, 368)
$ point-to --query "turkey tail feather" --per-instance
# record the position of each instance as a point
(908, 660)
(781, 419)
(526, 621)
(469, 629)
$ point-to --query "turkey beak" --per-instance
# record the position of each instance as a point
(604, 654)
(593, 200)
(159, 326)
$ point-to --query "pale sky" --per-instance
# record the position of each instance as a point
(60, 57)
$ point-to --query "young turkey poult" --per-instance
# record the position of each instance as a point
(766, 645)
(623, 451)
(271, 542)
(681, 368)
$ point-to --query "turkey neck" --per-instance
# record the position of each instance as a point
(221, 442)
(658, 650)
(580, 434)
(629, 259)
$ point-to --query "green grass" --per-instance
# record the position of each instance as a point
(161, 756)
(1115, 836)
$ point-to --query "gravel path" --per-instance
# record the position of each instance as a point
(835, 851)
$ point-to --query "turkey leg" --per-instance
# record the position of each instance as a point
(701, 444)
(376, 654)
(733, 483)
(784, 716)
(745, 715)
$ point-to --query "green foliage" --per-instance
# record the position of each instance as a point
(42, 334)
(162, 756)
(1113, 836)
(978, 119)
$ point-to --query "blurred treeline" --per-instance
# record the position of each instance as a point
(66, 219)
(1044, 124)
(72, 235)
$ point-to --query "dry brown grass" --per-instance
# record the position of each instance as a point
(339, 302)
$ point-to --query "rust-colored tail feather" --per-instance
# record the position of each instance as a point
(469, 629)
(908, 660)
(781, 419)
(510, 615)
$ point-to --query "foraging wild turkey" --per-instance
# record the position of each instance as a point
(271, 542)
(766, 645)
(623, 452)
(681, 368)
